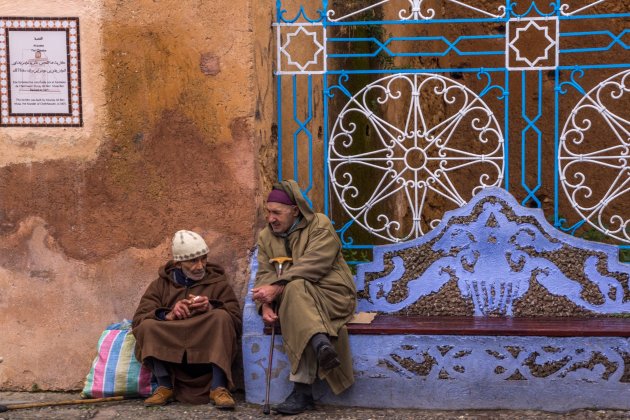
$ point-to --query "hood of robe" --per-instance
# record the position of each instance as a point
(291, 187)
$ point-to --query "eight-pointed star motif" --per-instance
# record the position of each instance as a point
(528, 37)
(300, 44)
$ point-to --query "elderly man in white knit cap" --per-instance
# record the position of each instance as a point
(186, 327)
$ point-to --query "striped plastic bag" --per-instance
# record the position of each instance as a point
(115, 370)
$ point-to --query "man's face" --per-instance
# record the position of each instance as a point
(196, 268)
(281, 216)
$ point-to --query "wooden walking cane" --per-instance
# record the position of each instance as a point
(278, 262)
(8, 407)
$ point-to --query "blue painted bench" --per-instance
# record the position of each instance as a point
(494, 308)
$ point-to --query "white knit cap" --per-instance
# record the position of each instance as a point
(188, 245)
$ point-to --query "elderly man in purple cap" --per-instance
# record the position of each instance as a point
(186, 327)
(315, 295)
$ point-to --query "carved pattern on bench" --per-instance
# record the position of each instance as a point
(518, 360)
(495, 257)
(259, 367)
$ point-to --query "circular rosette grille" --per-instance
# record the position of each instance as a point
(594, 152)
(408, 147)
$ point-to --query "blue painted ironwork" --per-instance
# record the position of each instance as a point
(302, 128)
(417, 40)
(583, 64)
(531, 126)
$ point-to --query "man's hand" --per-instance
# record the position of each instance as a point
(187, 308)
(180, 311)
(266, 293)
(198, 304)
(268, 314)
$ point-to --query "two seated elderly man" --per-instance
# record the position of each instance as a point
(188, 320)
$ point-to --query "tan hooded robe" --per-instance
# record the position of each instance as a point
(320, 294)
(210, 337)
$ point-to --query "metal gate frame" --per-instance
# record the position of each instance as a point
(603, 51)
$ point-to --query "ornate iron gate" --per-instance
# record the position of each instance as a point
(392, 112)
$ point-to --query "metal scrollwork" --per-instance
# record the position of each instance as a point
(586, 151)
(409, 165)
(418, 10)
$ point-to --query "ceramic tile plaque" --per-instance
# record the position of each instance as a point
(40, 81)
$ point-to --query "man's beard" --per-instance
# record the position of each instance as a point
(191, 275)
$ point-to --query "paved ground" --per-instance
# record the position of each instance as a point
(134, 409)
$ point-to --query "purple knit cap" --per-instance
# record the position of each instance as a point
(279, 196)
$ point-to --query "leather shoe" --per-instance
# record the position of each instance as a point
(221, 398)
(161, 396)
(295, 403)
(327, 357)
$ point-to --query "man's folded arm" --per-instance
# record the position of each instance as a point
(318, 258)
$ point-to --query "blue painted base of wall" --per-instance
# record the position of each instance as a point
(459, 372)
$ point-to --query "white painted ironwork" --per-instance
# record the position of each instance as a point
(564, 8)
(518, 60)
(293, 31)
(500, 9)
(330, 14)
(416, 162)
(578, 161)
(416, 10)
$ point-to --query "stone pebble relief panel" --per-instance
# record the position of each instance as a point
(494, 257)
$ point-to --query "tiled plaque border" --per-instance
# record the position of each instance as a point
(71, 26)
